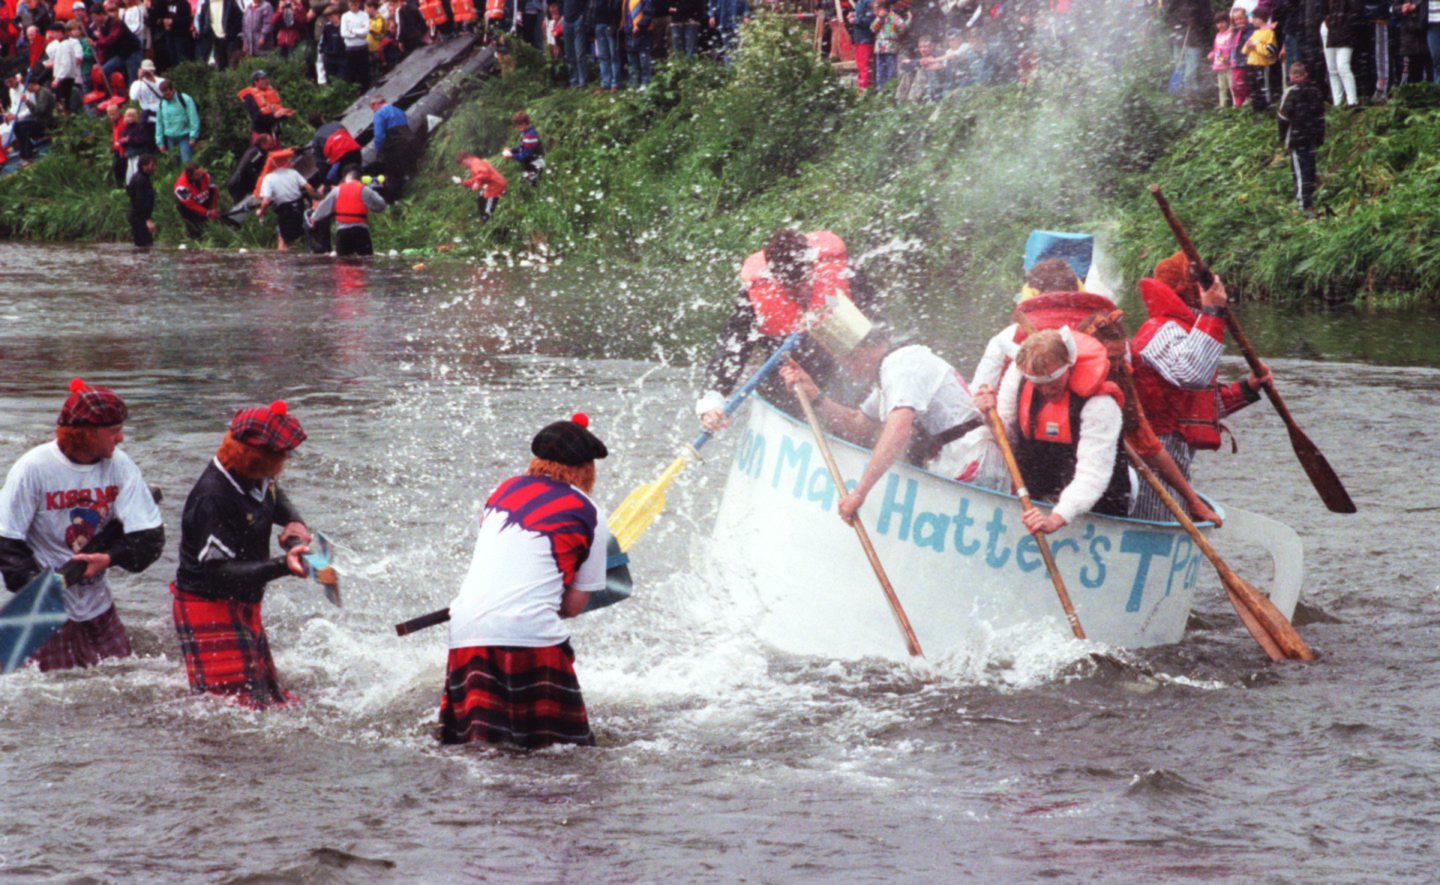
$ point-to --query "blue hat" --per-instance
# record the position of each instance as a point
(1077, 250)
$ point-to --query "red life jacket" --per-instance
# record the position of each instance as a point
(200, 195)
(1050, 431)
(776, 315)
(340, 143)
(462, 10)
(1055, 309)
(494, 10)
(1194, 414)
(350, 205)
(433, 12)
(267, 100)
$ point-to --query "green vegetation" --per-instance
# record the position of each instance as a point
(695, 171)
(1229, 180)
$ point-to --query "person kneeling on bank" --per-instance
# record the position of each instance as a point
(540, 554)
(1064, 420)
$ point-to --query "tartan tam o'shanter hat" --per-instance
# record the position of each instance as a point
(92, 407)
(568, 442)
(270, 427)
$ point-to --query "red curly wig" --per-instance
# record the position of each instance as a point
(582, 477)
(253, 463)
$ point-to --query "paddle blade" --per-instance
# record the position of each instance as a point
(318, 563)
(1252, 623)
(1321, 474)
(637, 512)
(30, 618)
(1280, 629)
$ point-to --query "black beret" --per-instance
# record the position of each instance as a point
(568, 442)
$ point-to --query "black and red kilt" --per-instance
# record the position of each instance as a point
(225, 649)
(84, 643)
(501, 694)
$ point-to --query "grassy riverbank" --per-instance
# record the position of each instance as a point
(697, 169)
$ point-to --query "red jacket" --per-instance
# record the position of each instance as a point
(776, 315)
(484, 178)
(1194, 414)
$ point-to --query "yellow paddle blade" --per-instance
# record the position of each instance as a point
(636, 513)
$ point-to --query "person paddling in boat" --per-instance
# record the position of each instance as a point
(540, 553)
(793, 274)
(57, 497)
(1176, 358)
(225, 560)
(917, 409)
(1064, 420)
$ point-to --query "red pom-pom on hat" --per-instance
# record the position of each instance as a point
(580, 418)
(278, 407)
(77, 385)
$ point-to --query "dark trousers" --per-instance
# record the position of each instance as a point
(178, 48)
(1302, 167)
(397, 159)
(486, 206)
(290, 221)
(357, 65)
(353, 241)
(194, 222)
(223, 47)
(27, 132)
(140, 231)
(117, 167)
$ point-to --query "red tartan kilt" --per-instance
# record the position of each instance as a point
(225, 649)
(84, 643)
(526, 697)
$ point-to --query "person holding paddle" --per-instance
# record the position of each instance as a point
(794, 274)
(1064, 416)
(1176, 357)
(60, 495)
(917, 408)
(225, 559)
(510, 678)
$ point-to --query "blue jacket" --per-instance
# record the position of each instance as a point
(387, 118)
(529, 147)
(864, 17)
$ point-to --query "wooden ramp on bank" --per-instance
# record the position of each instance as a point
(408, 76)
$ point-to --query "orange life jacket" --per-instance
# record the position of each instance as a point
(1050, 430)
(1194, 414)
(463, 10)
(433, 12)
(776, 314)
(268, 100)
(350, 205)
(494, 10)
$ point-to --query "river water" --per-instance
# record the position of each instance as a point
(718, 759)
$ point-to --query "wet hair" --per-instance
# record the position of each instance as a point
(192, 168)
(351, 171)
(145, 160)
(1042, 353)
(581, 477)
(520, 119)
(1052, 275)
(785, 253)
(252, 463)
(316, 119)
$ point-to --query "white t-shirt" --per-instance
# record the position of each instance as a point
(65, 56)
(511, 595)
(283, 186)
(146, 93)
(55, 505)
(915, 377)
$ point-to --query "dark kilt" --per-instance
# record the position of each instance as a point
(84, 643)
(525, 697)
(225, 649)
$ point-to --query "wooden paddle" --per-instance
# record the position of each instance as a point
(1271, 630)
(997, 427)
(642, 506)
(1321, 474)
(912, 644)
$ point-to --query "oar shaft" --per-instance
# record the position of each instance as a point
(738, 397)
(433, 619)
(912, 644)
(997, 428)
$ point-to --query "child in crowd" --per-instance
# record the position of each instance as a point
(1261, 55)
(529, 153)
(554, 30)
(134, 142)
(889, 26)
(1302, 127)
(485, 180)
(332, 45)
(1220, 57)
(1239, 74)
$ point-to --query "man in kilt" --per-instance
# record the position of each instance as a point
(539, 556)
(60, 495)
(225, 559)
